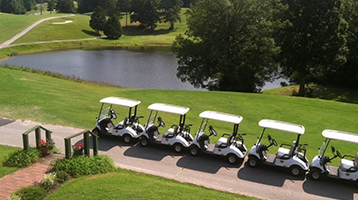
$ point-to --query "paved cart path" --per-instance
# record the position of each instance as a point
(265, 183)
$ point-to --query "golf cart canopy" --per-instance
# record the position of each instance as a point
(340, 135)
(224, 117)
(120, 101)
(173, 109)
(282, 126)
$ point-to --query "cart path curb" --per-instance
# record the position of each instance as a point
(26, 176)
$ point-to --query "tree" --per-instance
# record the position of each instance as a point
(313, 40)
(98, 19)
(29, 4)
(112, 28)
(65, 6)
(13, 6)
(171, 11)
(228, 45)
(84, 6)
(146, 12)
(51, 5)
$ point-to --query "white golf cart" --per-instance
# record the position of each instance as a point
(176, 136)
(293, 158)
(228, 145)
(129, 128)
(348, 169)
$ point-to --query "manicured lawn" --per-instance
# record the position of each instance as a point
(132, 185)
(79, 29)
(45, 99)
(10, 24)
(5, 150)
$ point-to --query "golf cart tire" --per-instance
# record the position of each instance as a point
(127, 138)
(315, 174)
(232, 158)
(296, 170)
(178, 147)
(194, 150)
(356, 183)
(253, 161)
(143, 141)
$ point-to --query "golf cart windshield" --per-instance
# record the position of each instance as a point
(322, 149)
(202, 127)
(105, 113)
(151, 120)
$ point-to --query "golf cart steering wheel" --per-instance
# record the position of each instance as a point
(160, 122)
(339, 154)
(212, 131)
(113, 114)
(271, 140)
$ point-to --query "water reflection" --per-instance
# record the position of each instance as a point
(140, 68)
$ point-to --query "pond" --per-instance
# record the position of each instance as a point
(135, 68)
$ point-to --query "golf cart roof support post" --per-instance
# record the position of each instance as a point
(130, 112)
(236, 129)
(150, 114)
(298, 140)
(100, 111)
(259, 140)
(182, 121)
(327, 141)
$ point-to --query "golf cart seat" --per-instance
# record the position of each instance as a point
(223, 142)
(349, 165)
(284, 153)
(171, 132)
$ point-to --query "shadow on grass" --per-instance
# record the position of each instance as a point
(92, 33)
(331, 93)
(136, 31)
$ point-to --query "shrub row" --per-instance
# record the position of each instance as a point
(21, 158)
(82, 166)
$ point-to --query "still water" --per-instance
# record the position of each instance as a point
(146, 69)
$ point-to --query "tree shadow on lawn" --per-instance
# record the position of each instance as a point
(137, 31)
(92, 33)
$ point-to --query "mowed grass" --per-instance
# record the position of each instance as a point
(80, 29)
(132, 185)
(4, 151)
(25, 95)
(10, 24)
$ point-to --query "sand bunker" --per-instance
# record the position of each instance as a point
(66, 22)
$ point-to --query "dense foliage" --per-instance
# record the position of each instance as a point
(228, 45)
(82, 166)
(312, 40)
(21, 158)
(65, 6)
(98, 19)
(113, 28)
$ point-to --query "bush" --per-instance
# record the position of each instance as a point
(61, 177)
(21, 158)
(32, 192)
(48, 182)
(82, 166)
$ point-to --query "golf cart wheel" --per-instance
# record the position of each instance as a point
(296, 170)
(315, 174)
(178, 147)
(127, 138)
(253, 161)
(232, 158)
(194, 150)
(143, 141)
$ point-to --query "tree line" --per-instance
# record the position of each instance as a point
(238, 45)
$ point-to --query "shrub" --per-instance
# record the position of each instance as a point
(32, 192)
(48, 182)
(82, 166)
(61, 176)
(21, 158)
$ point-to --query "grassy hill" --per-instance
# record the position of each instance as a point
(42, 98)
(80, 29)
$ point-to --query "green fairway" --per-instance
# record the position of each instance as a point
(132, 185)
(4, 151)
(10, 24)
(79, 29)
(42, 98)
